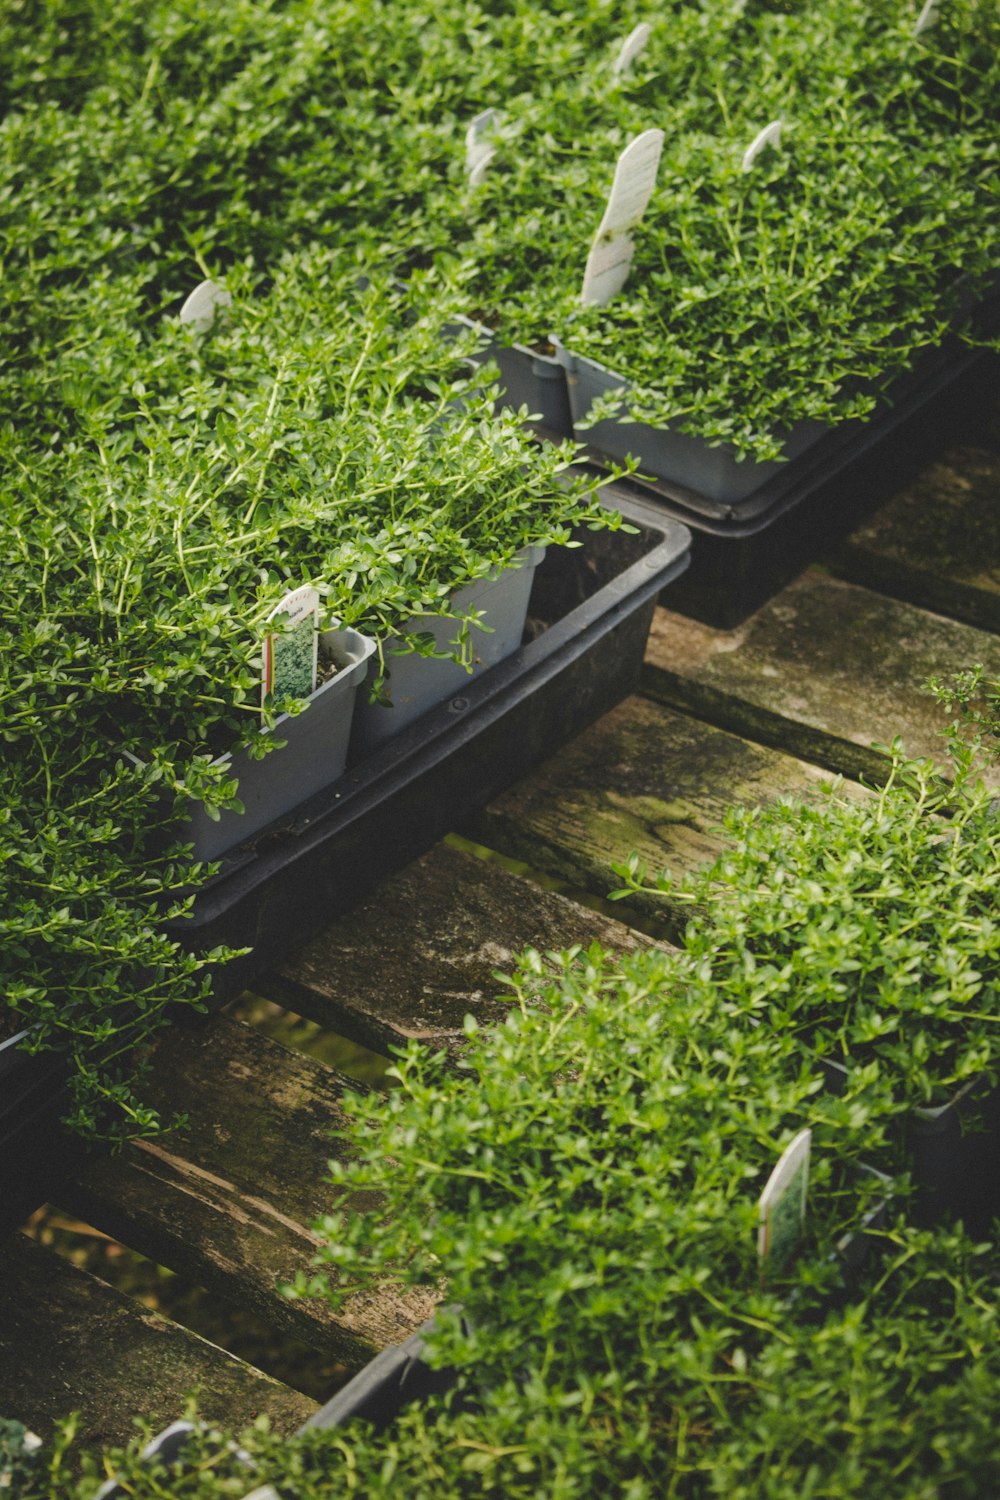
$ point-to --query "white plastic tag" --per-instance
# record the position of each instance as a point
(479, 149)
(927, 17)
(201, 304)
(633, 44)
(783, 1203)
(611, 253)
(769, 136)
(290, 654)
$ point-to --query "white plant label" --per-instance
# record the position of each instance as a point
(927, 17)
(769, 136)
(633, 44)
(479, 148)
(783, 1203)
(611, 253)
(290, 652)
(200, 307)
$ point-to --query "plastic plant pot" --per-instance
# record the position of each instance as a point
(414, 684)
(739, 561)
(719, 483)
(314, 755)
(396, 1377)
(10, 1053)
(528, 379)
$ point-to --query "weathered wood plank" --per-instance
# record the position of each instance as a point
(937, 542)
(230, 1200)
(69, 1342)
(643, 778)
(820, 671)
(414, 960)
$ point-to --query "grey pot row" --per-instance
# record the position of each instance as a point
(703, 484)
(343, 723)
(558, 391)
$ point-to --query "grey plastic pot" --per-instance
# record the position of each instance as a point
(528, 379)
(314, 755)
(415, 684)
(715, 482)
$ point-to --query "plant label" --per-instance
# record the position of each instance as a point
(769, 136)
(291, 651)
(927, 17)
(611, 253)
(633, 44)
(480, 145)
(783, 1203)
(200, 307)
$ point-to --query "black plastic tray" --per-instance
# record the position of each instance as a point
(738, 563)
(589, 615)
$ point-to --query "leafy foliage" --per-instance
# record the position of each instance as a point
(173, 136)
(796, 291)
(866, 928)
(586, 1186)
(320, 433)
(976, 702)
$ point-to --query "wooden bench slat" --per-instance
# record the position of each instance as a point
(937, 542)
(643, 778)
(229, 1201)
(414, 960)
(69, 1342)
(821, 671)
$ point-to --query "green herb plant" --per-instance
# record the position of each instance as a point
(865, 928)
(585, 1187)
(323, 433)
(976, 701)
(796, 291)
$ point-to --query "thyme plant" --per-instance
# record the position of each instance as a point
(585, 1187)
(867, 929)
(322, 433)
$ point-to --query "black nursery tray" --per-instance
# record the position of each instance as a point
(589, 615)
(739, 560)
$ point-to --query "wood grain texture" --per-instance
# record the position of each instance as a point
(69, 1342)
(821, 671)
(937, 542)
(644, 778)
(413, 961)
(230, 1200)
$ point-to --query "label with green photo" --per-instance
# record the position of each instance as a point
(290, 650)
